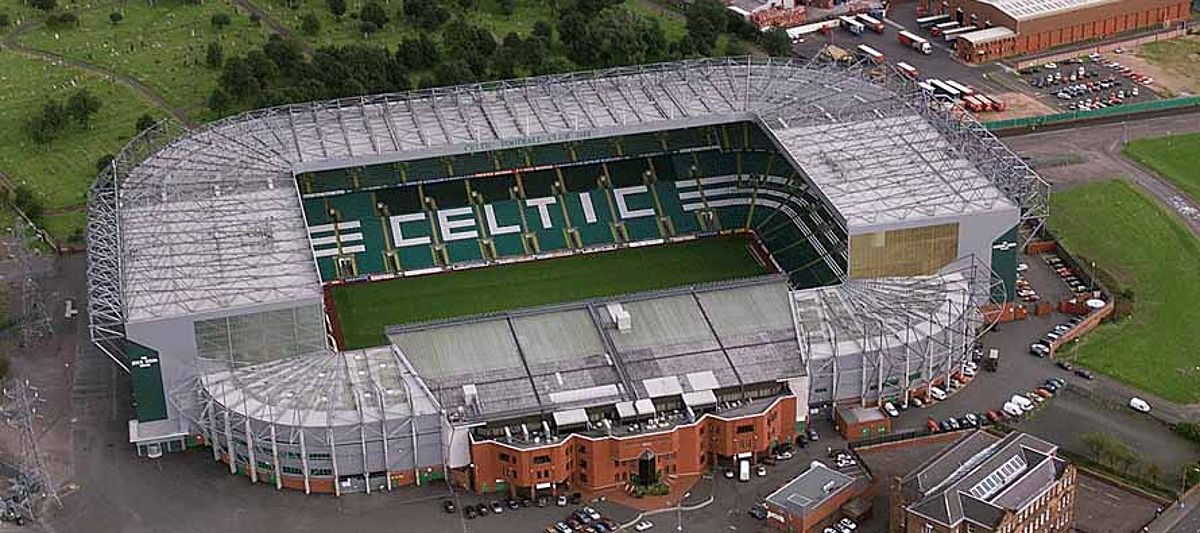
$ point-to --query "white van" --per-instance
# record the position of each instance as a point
(937, 394)
(1139, 405)
(1022, 402)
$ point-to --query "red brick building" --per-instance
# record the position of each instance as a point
(813, 500)
(1037, 25)
(610, 457)
(986, 483)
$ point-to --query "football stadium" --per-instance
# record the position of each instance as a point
(572, 282)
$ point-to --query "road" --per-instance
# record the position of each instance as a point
(1101, 147)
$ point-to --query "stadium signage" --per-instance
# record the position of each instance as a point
(460, 223)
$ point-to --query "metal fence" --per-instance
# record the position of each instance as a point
(1115, 111)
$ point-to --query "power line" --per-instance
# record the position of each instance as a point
(35, 321)
(32, 483)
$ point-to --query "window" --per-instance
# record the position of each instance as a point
(293, 471)
(582, 449)
(541, 459)
(320, 471)
(583, 463)
(265, 465)
(320, 456)
(506, 458)
(748, 428)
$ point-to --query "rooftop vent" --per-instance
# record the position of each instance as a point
(620, 316)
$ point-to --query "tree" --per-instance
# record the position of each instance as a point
(337, 7)
(426, 14)
(373, 12)
(507, 7)
(706, 20)
(4, 20)
(116, 17)
(220, 20)
(82, 105)
(61, 20)
(310, 24)
(47, 123)
(28, 202)
(145, 122)
(544, 32)
(452, 73)
(218, 100)
(104, 162)
(776, 42)
(44, 5)
(285, 53)
(470, 43)
(214, 55)
(417, 53)
(367, 26)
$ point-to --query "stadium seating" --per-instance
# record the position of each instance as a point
(469, 208)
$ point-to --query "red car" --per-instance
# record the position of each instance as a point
(932, 425)
(995, 416)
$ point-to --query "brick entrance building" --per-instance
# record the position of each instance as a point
(1015, 27)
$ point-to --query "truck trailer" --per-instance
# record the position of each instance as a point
(916, 42)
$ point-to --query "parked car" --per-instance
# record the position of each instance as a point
(995, 416)
(561, 501)
(848, 524)
(448, 505)
(758, 512)
(469, 512)
(1039, 349)
(937, 394)
(1064, 365)
(1085, 374)
(761, 471)
(890, 409)
(932, 425)
(916, 402)
(483, 509)
(1044, 392)
(643, 525)
(1012, 409)
(813, 435)
(971, 419)
(1139, 405)
(497, 508)
(562, 527)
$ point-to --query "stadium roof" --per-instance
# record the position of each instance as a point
(323, 389)
(981, 475)
(1022, 10)
(210, 219)
(556, 358)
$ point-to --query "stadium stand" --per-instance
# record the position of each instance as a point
(592, 194)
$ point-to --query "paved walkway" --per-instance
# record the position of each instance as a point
(1181, 517)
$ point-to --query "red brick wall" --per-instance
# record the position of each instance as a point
(591, 464)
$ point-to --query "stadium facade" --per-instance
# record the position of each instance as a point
(891, 221)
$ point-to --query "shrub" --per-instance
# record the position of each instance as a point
(310, 24)
(1189, 430)
(220, 20)
(116, 17)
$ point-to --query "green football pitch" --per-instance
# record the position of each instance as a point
(366, 309)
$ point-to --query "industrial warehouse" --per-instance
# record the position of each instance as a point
(890, 226)
(1004, 28)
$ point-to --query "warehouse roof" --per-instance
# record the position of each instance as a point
(986, 36)
(1032, 9)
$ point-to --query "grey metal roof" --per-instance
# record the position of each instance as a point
(981, 476)
(1022, 10)
(680, 342)
(810, 489)
(209, 219)
(987, 35)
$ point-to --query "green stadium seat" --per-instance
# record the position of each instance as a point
(756, 139)
(581, 178)
(475, 163)
(326, 181)
(593, 223)
(641, 144)
(424, 169)
(447, 194)
(682, 221)
(378, 175)
(548, 154)
(593, 149)
(627, 172)
(507, 214)
(551, 231)
(512, 159)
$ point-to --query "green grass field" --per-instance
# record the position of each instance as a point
(162, 45)
(1150, 253)
(1177, 55)
(1176, 158)
(60, 173)
(366, 309)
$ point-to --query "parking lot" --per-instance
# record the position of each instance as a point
(1089, 82)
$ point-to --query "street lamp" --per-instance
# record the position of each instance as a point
(679, 511)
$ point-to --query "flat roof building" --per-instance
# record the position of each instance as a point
(813, 499)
